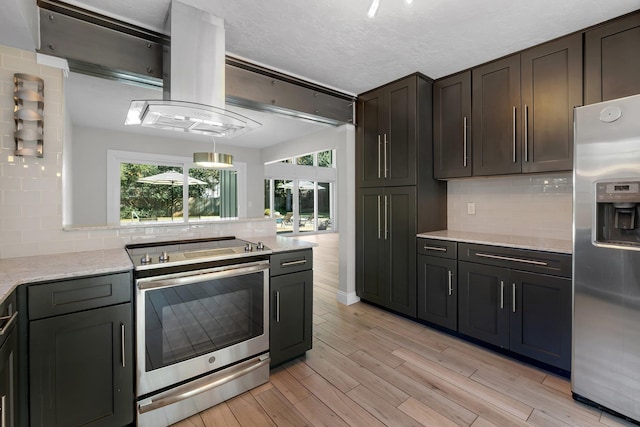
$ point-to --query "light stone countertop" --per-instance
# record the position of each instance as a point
(33, 269)
(564, 246)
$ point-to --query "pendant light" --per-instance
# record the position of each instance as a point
(212, 159)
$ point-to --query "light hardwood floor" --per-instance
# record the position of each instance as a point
(371, 368)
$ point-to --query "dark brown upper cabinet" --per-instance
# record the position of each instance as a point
(387, 147)
(551, 81)
(612, 60)
(452, 121)
(495, 108)
(522, 110)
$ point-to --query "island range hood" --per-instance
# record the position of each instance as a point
(193, 79)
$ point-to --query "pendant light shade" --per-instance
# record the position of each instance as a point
(213, 160)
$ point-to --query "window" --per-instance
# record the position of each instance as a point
(325, 159)
(148, 188)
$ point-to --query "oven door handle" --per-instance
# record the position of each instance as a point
(204, 384)
(200, 276)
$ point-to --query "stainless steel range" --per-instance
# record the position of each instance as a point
(202, 324)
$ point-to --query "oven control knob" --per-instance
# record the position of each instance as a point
(248, 248)
(260, 246)
(146, 259)
(164, 257)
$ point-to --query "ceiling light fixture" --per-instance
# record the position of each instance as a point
(375, 4)
(212, 159)
(373, 10)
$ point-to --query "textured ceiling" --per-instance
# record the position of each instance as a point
(334, 43)
(331, 42)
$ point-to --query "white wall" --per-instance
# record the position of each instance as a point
(342, 139)
(90, 167)
(528, 205)
(31, 188)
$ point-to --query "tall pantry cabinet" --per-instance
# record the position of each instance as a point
(397, 196)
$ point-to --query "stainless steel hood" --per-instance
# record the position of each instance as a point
(193, 79)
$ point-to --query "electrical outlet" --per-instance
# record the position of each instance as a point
(471, 208)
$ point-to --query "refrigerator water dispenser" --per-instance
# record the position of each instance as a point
(617, 211)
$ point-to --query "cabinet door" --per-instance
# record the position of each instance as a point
(372, 125)
(483, 298)
(452, 120)
(291, 308)
(540, 325)
(612, 60)
(496, 128)
(77, 375)
(399, 234)
(551, 87)
(437, 293)
(386, 140)
(399, 144)
(8, 380)
(370, 243)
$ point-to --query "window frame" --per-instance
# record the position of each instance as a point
(116, 157)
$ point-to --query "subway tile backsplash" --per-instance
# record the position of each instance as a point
(525, 205)
(31, 187)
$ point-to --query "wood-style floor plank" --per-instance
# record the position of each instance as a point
(371, 368)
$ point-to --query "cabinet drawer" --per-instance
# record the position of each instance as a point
(68, 296)
(517, 259)
(436, 247)
(290, 262)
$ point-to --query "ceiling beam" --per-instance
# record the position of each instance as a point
(104, 47)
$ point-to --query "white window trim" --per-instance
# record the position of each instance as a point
(116, 157)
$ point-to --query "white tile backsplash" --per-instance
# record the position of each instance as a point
(523, 205)
(31, 187)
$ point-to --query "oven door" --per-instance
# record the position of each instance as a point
(192, 323)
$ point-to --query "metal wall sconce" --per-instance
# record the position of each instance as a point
(28, 114)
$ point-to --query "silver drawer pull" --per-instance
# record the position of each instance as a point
(501, 295)
(508, 258)
(7, 325)
(450, 274)
(435, 248)
(290, 263)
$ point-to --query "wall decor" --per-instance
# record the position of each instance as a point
(28, 114)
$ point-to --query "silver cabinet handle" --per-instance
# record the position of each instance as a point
(435, 248)
(386, 143)
(290, 263)
(379, 156)
(514, 134)
(513, 297)
(10, 319)
(3, 408)
(464, 141)
(501, 295)
(379, 225)
(526, 133)
(386, 227)
(277, 306)
(122, 345)
(450, 282)
(508, 258)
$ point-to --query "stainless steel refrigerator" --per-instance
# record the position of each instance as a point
(606, 256)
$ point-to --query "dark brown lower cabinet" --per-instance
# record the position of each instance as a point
(527, 313)
(437, 291)
(290, 332)
(8, 364)
(78, 376)
(386, 247)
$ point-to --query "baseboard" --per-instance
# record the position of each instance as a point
(347, 298)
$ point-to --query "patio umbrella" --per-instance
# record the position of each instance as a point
(171, 178)
(302, 185)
